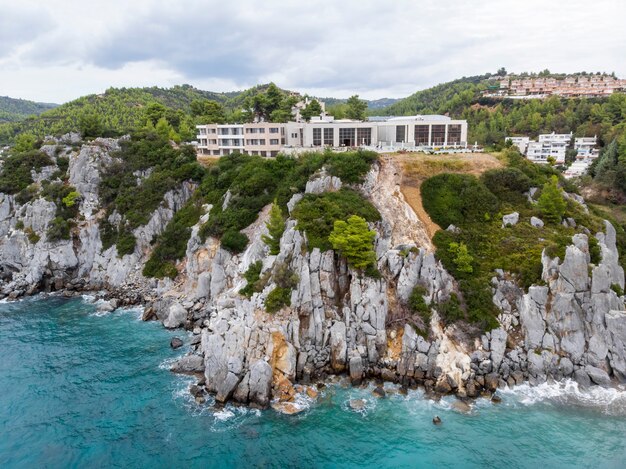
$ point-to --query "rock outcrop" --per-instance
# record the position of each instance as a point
(338, 320)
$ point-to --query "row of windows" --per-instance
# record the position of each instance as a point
(438, 136)
(273, 141)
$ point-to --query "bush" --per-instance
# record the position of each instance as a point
(125, 244)
(351, 167)
(58, 229)
(450, 310)
(617, 289)
(33, 237)
(456, 199)
(234, 241)
(418, 305)
(277, 299)
(462, 258)
(16, 169)
(252, 276)
(316, 214)
(508, 183)
(275, 228)
(595, 252)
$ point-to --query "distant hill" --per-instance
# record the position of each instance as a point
(371, 104)
(120, 109)
(13, 110)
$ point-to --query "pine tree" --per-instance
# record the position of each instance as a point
(462, 258)
(551, 202)
(275, 228)
(355, 241)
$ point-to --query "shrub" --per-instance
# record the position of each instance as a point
(277, 299)
(252, 276)
(234, 241)
(316, 214)
(16, 169)
(63, 162)
(33, 237)
(418, 305)
(70, 199)
(462, 258)
(19, 225)
(58, 229)
(595, 252)
(456, 199)
(125, 244)
(450, 310)
(508, 183)
(617, 289)
(352, 166)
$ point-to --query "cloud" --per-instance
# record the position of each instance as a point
(373, 48)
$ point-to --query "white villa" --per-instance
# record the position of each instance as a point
(414, 133)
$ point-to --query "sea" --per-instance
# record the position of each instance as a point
(79, 388)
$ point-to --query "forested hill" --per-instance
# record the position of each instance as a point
(12, 110)
(451, 97)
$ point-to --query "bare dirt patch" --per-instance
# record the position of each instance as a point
(206, 160)
(417, 167)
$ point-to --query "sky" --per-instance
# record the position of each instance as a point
(58, 50)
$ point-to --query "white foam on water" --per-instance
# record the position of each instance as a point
(610, 401)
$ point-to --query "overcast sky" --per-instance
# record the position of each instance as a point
(58, 50)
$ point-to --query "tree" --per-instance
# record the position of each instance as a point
(25, 142)
(356, 108)
(312, 109)
(551, 201)
(207, 111)
(462, 258)
(154, 111)
(90, 124)
(163, 128)
(275, 228)
(354, 240)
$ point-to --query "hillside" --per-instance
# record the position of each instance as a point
(445, 98)
(12, 110)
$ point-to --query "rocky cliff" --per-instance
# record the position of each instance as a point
(338, 320)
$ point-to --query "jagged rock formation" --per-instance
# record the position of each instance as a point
(338, 321)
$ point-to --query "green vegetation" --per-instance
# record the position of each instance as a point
(355, 108)
(134, 198)
(13, 110)
(286, 280)
(354, 240)
(313, 109)
(171, 245)
(455, 199)
(316, 214)
(253, 277)
(481, 245)
(252, 182)
(275, 227)
(16, 170)
(551, 202)
(418, 305)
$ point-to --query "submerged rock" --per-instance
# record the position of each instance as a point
(176, 343)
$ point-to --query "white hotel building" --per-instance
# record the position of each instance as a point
(429, 132)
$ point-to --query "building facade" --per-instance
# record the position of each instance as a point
(267, 139)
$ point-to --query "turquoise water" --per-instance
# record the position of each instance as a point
(79, 389)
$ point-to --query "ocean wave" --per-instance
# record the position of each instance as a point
(611, 401)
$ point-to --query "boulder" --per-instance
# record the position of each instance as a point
(188, 364)
(356, 370)
(510, 219)
(106, 307)
(176, 343)
(598, 375)
(379, 392)
(536, 222)
(176, 317)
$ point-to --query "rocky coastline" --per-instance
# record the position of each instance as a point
(338, 322)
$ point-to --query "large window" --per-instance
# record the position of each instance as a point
(273, 141)
(317, 137)
(400, 133)
(421, 135)
(364, 136)
(347, 137)
(439, 134)
(454, 134)
(273, 130)
(329, 137)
